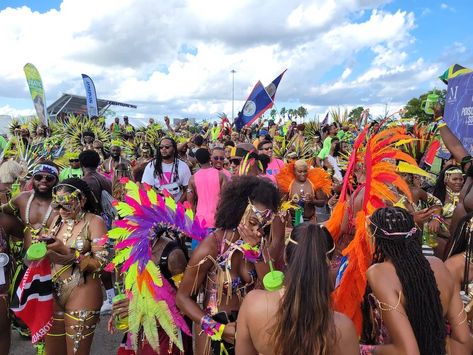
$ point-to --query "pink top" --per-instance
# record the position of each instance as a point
(227, 173)
(273, 169)
(207, 184)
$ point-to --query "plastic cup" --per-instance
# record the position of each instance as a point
(36, 251)
(120, 323)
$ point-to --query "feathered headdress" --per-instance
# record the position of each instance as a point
(381, 176)
(145, 216)
(318, 177)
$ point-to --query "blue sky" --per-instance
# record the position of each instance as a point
(175, 57)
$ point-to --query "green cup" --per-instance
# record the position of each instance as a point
(428, 104)
(36, 251)
(120, 323)
(274, 279)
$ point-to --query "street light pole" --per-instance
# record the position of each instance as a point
(233, 93)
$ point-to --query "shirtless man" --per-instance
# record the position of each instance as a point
(34, 210)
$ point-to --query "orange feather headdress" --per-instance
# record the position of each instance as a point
(319, 179)
(381, 175)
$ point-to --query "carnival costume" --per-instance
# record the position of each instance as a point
(89, 258)
(373, 154)
(146, 215)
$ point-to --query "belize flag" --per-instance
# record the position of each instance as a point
(273, 87)
(257, 103)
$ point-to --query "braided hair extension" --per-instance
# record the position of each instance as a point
(463, 243)
(397, 240)
(158, 167)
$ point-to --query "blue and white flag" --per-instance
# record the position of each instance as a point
(273, 87)
(91, 96)
(257, 103)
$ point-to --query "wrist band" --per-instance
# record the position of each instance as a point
(439, 118)
(252, 254)
(213, 329)
(441, 123)
(367, 349)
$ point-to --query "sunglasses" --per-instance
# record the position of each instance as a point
(65, 206)
(218, 158)
(48, 178)
(165, 146)
(73, 160)
(235, 161)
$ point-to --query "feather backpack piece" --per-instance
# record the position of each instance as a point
(381, 176)
(152, 298)
(319, 179)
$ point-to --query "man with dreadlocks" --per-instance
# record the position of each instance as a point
(409, 296)
(167, 171)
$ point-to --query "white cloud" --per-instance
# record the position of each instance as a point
(134, 51)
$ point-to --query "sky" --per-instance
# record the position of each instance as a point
(175, 57)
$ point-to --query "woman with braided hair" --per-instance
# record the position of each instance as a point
(460, 265)
(409, 296)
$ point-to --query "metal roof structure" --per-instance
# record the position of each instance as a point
(77, 104)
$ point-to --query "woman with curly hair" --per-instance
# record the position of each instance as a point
(409, 297)
(299, 318)
(230, 261)
(76, 258)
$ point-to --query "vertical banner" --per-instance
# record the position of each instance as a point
(91, 96)
(458, 113)
(37, 92)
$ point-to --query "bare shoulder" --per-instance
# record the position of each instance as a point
(379, 270)
(343, 323)
(437, 265)
(255, 296)
(95, 219)
(22, 197)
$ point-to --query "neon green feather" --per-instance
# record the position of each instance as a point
(155, 273)
(121, 256)
(169, 201)
(153, 196)
(190, 214)
(124, 209)
(118, 233)
(132, 191)
(131, 276)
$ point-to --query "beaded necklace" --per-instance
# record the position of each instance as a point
(35, 231)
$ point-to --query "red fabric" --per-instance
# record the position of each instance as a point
(35, 296)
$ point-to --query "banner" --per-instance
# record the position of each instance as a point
(37, 92)
(273, 87)
(458, 114)
(91, 96)
(257, 103)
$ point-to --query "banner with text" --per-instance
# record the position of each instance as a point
(458, 113)
(37, 92)
(90, 96)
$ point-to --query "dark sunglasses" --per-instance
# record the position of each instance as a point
(73, 160)
(218, 158)
(57, 206)
(48, 178)
(235, 161)
(165, 146)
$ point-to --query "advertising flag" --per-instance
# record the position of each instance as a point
(37, 92)
(257, 103)
(91, 96)
(273, 87)
(458, 113)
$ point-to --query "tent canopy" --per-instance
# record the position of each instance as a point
(77, 104)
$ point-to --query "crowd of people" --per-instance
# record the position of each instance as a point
(282, 238)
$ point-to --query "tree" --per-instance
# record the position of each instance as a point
(283, 112)
(355, 114)
(273, 113)
(413, 107)
(302, 112)
(291, 113)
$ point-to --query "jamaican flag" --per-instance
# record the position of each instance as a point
(454, 71)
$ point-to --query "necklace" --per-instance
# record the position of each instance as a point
(35, 232)
(71, 223)
(453, 196)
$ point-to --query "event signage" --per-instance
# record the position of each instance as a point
(37, 92)
(458, 114)
(90, 96)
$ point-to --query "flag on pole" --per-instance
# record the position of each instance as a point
(91, 96)
(454, 71)
(325, 120)
(33, 299)
(257, 103)
(35, 85)
(273, 87)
